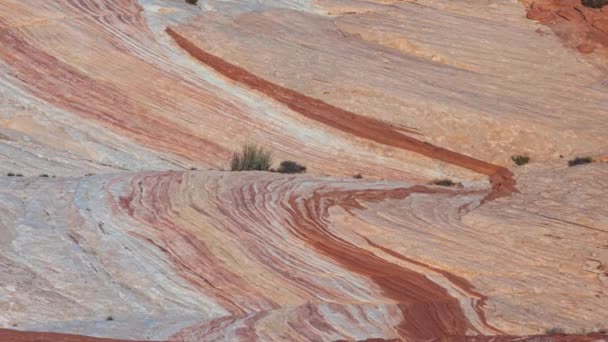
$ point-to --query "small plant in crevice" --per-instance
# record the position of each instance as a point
(251, 158)
(580, 161)
(358, 176)
(520, 160)
(109, 318)
(10, 174)
(555, 331)
(446, 182)
(595, 3)
(289, 166)
(44, 175)
(192, 2)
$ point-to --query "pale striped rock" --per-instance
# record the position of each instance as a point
(114, 99)
(228, 256)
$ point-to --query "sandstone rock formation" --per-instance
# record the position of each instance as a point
(480, 82)
(115, 100)
(30, 336)
(583, 27)
(262, 253)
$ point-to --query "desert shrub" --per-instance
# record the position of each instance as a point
(579, 161)
(192, 2)
(595, 3)
(44, 175)
(520, 160)
(289, 166)
(554, 331)
(358, 176)
(11, 174)
(109, 318)
(251, 158)
(444, 182)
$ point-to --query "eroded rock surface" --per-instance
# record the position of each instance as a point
(100, 87)
(584, 27)
(477, 79)
(217, 255)
(132, 93)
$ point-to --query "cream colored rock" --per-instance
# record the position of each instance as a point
(132, 93)
(195, 255)
(99, 87)
(481, 79)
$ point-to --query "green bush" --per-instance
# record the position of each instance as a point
(579, 161)
(289, 166)
(595, 3)
(554, 331)
(520, 160)
(445, 182)
(252, 158)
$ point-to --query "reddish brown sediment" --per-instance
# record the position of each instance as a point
(360, 126)
(503, 184)
(279, 257)
(420, 299)
(199, 266)
(7, 335)
(579, 26)
(70, 89)
(212, 256)
(139, 103)
(531, 338)
(460, 282)
(357, 125)
(428, 310)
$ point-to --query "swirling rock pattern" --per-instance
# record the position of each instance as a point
(95, 86)
(234, 256)
(403, 92)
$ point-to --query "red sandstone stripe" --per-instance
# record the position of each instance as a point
(68, 88)
(349, 122)
(333, 116)
(460, 282)
(428, 310)
(7, 335)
